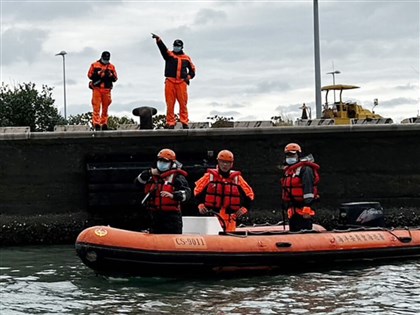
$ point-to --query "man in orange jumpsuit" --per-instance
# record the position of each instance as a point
(179, 70)
(224, 191)
(102, 74)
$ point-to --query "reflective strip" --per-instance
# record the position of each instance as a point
(170, 179)
(184, 195)
(141, 181)
(311, 195)
(236, 180)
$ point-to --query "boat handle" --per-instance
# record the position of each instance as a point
(283, 244)
(404, 239)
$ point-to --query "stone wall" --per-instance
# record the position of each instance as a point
(72, 172)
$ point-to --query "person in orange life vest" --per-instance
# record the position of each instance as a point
(102, 74)
(299, 187)
(179, 70)
(225, 191)
(166, 187)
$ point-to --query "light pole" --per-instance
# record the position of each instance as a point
(333, 75)
(317, 62)
(63, 53)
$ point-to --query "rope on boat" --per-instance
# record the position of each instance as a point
(354, 228)
(280, 223)
(402, 239)
(220, 219)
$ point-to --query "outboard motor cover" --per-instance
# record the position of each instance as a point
(361, 214)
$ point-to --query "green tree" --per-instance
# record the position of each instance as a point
(159, 121)
(80, 119)
(86, 119)
(221, 121)
(24, 105)
(281, 120)
(114, 121)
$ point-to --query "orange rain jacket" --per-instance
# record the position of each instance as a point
(102, 75)
(178, 66)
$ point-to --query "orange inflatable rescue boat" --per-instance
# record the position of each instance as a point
(204, 249)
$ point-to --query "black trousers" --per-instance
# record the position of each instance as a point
(166, 222)
(298, 223)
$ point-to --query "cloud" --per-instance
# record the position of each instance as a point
(396, 102)
(293, 110)
(226, 113)
(209, 16)
(159, 105)
(21, 45)
(68, 82)
(35, 11)
(408, 86)
(269, 86)
(253, 59)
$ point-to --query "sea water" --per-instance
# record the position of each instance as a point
(53, 280)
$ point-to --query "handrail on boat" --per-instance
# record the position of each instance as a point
(247, 233)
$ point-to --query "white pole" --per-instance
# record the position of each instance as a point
(317, 62)
(64, 83)
(63, 53)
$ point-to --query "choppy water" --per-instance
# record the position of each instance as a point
(52, 280)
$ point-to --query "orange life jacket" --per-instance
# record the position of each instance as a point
(223, 192)
(292, 189)
(163, 182)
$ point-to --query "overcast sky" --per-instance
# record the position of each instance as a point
(254, 59)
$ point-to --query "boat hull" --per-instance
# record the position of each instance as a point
(114, 252)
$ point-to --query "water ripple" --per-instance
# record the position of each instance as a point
(58, 283)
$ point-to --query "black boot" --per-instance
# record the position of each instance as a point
(105, 127)
(185, 126)
(97, 127)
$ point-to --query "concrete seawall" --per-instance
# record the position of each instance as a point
(84, 178)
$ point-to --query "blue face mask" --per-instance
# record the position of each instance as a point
(291, 160)
(163, 166)
(177, 49)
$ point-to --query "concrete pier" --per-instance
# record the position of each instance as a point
(84, 178)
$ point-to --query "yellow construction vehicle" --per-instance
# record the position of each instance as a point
(343, 112)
